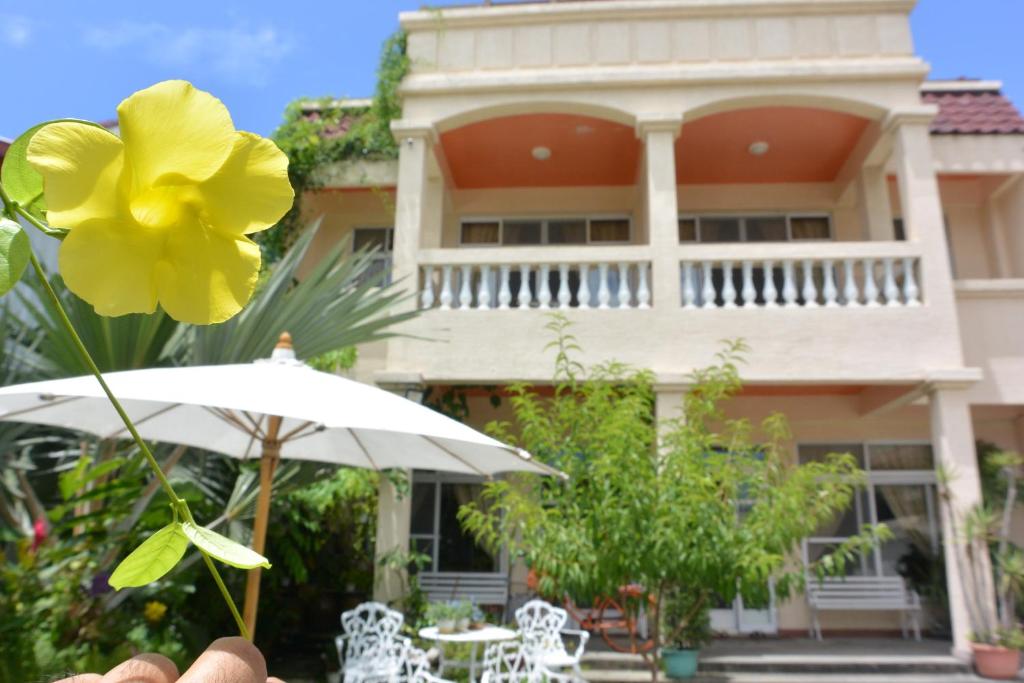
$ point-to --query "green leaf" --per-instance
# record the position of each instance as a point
(151, 560)
(223, 548)
(14, 253)
(22, 183)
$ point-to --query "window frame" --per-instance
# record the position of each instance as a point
(743, 217)
(384, 255)
(545, 220)
(437, 480)
(926, 478)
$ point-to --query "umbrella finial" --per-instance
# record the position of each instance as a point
(284, 349)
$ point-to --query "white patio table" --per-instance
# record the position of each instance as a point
(488, 634)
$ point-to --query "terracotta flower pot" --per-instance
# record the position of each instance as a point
(992, 661)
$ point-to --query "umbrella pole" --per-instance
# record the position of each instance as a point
(271, 455)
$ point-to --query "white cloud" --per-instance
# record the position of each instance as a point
(238, 53)
(15, 31)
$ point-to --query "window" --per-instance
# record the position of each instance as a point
(537, 231)
(755, 228)
(899, 492)
(435, 529)
(383, 241)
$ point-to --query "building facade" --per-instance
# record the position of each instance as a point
(672, 173)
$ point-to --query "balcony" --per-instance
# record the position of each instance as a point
(720, 276)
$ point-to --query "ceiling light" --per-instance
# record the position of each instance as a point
(541, 153)
(584, 129)
(758, 148)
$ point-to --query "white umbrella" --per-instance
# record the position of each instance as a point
(281, 406)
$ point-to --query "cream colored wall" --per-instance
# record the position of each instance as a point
(1011, 208)
(340, 213)
(658, 34)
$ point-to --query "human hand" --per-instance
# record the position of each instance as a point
(226, 660)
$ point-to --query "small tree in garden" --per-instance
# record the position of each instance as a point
(687, 509)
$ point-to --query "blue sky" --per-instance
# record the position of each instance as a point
(79, 59)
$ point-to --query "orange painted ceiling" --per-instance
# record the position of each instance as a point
(585, 151)
(805, 145)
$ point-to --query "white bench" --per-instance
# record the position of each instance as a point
(484, 588)
(883, 593)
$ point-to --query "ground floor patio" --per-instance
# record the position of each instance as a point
(899, 434)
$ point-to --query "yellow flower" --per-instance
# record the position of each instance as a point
(154, 611)
(161, 213)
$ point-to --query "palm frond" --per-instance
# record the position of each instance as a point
(332, 306)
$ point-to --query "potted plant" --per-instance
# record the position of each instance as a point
(996, 639)
(463, 611)
(686, 625)
(443, 615)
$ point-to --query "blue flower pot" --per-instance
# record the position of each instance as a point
(680, 663)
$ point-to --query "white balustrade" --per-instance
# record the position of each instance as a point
(509, 286)
(790, 281)
(800, 282)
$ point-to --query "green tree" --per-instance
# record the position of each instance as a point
(687, 508)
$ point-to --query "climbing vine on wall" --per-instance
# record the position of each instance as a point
(324, 133)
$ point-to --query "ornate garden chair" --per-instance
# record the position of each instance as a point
(541, 628)
(510, 662)
(370, 647)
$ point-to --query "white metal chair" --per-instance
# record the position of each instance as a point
(510, 662)
(370, 648)
(541, 628)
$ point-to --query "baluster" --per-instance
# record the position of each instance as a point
(788, 284)
(564, 296)
(828, 290)
(728, 288)
(504, 289)
(810, 290)
(623, 295)
(483, 292)
(446, 288)
(749, 293)
(707, 293)
(892, 292)
(643, 291)
(851, 293)
(465, 291)
(427, 297)
(689, 291)
(525, 295)
(870, 288)
(583, 293)
(910, 290)
(604, 295)
(543, 287)
(771, 295)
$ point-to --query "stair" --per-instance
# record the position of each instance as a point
(781, 667)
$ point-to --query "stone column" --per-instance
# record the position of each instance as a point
(955, 453)
(659, 132)
(393, 517)
(417, 206)
(876, 210)
(923, 219)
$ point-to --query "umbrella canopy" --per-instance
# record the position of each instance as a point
(273, 409)
(225, 408)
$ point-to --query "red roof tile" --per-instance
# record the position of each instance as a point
(964, 111)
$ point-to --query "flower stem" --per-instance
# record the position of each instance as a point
(10, 208)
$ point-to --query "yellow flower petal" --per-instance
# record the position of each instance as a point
(251, 191)
(174, 133)
(81, 167)
(109, 264)
(206, 277)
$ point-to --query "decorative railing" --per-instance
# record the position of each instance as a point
(828, 275)
(550, 277)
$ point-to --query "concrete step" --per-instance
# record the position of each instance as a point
(792, 663)
(626, 676)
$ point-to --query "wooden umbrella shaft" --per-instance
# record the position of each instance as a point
(268, 464)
